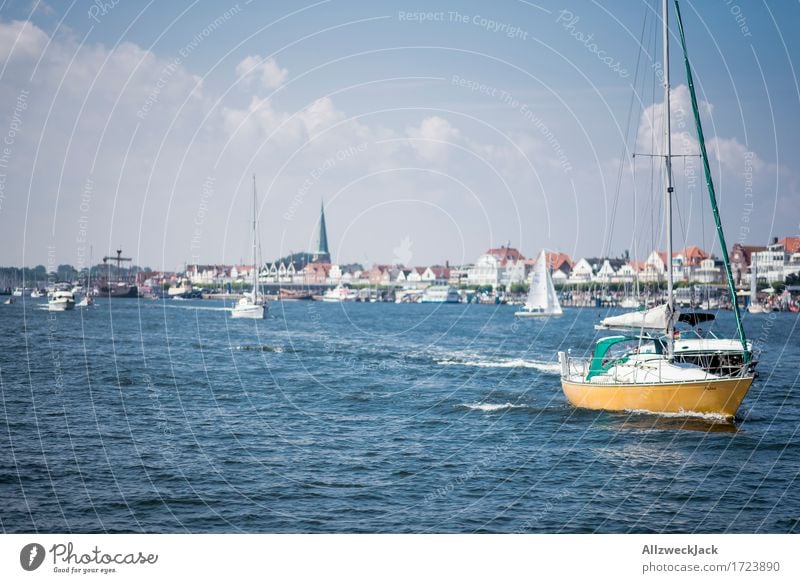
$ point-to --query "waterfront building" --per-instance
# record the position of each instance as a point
(498, 266)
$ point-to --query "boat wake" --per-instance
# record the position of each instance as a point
(195, 307)
(258, 348)
(490, 407)
(713, 417)
(540, 365)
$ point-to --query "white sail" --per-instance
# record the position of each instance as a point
(553, 305)
(537, 294)
(542, 298)
(653, 319)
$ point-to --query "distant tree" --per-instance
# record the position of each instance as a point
(66, 273)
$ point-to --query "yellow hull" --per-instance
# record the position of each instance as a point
(718, 396)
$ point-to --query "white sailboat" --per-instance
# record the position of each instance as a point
(251, 306)
(542, 298)
(87, 299)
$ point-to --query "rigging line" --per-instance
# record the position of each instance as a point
(676, 200)
(625, 147)
(703, 226)
(634, 139)
(651, 122)
(636, 189)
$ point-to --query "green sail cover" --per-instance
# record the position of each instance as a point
(711, 193)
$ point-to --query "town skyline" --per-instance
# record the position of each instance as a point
(497, 267)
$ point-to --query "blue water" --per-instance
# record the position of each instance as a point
(152, 416)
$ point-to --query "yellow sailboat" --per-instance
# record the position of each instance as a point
(628, 373)
(636, 380)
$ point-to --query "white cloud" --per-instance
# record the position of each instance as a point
(430, 139)
(21, 40)
(729, 152)
(267, 72)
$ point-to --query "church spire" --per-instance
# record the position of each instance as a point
(322, 253)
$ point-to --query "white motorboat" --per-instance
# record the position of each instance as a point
(61, 301)
(339, 294)
(630, 303)
(440, 294)
(542, 298)
(182, 290)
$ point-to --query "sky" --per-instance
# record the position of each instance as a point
(431, 131)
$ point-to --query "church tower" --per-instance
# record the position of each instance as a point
(322, 254)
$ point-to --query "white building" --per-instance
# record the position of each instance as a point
(655, 267)
(582, 272)
(499, 266)
(606, 273)
(770, 263)
(708, 272)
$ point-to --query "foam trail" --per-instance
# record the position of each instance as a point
(489, 407)
(545, 367)
(682, 414)
(205, 308)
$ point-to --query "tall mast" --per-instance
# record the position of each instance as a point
(255, 267)
(668, 168)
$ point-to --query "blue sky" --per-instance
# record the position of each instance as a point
(452, 126)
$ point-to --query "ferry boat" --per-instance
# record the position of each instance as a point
(440, 294)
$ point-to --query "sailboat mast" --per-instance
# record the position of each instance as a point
(255, 272)
(668, 168)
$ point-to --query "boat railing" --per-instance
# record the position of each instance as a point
(573, 367)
